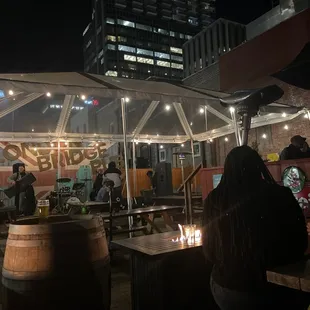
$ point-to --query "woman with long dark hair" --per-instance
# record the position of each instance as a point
(251, 224)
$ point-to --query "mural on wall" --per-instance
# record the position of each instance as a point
(42, 157)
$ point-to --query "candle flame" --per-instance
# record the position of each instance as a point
(183, 238)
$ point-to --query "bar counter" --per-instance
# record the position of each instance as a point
(174, 275)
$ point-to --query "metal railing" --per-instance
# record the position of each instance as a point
(187, 187)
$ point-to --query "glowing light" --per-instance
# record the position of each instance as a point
(211, 140)
(191, 124)
(66, 143)
(167, 107)
(161, 147)
(48, 94)
(226, 139)
(97, 144)
(52, 144)
(306, 116)
(284, 114)
(11, 93)
(182, 145)
(264, 136)
(286, 127)
(127, 99)
(201, 110)
(83, 97)
(232, 109)
(32, 130)
(35, 149)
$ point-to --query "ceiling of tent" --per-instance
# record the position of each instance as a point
(75, 106)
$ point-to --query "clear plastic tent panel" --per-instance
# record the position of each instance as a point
(164, 121)
(38, 115)
(202, 120)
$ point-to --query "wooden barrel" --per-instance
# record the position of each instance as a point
(63, 263)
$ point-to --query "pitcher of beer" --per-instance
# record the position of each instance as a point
(43, 208)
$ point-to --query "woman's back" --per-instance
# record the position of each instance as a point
(263, 227)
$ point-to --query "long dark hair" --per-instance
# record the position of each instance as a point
(244, 173)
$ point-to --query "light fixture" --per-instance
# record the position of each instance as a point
(97, 144)
(191, 124)
(35, 149)
(127, 99)
(161, 147)
(149, 143)
(32, 130)
(286, 127)
(226, 139)
(157, 135)
(48, 94)
(232, 109)
(211, 140)
(168, 107)
(52, 144)
(66, 143)
(182, 145)
(11, 93)
(201, 110)
(284, 114)
(83, 97)
(137, 142)
(264, 136)
(306, 116)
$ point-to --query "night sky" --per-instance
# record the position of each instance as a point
(38, 36)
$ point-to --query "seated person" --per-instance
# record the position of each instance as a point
(296, 150)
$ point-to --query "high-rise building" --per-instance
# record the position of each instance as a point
(142, 38)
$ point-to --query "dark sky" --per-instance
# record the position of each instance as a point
(47, 35)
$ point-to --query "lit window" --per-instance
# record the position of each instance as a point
(176, 66)
(111, 73)
(145, 60)
(52, 106)
(100, 54)
(121, 39)
(144, 52)
(143, 27)
(163, 63)
(125, 48)
(110, 21)
(130, 58)
(177, 58)
(162, 55)
(126, 23)
(162, 31)
(172, 33)
(111, 38)
(182, 36)
(176, 50)
(88, 44)
(132, 67)
(188, 37)
(111, 47)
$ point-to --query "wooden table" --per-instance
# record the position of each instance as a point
(167, 275)
(296, 276)
(175, 199)
(148, 215)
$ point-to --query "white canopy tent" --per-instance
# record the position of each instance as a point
(87, 107)
(158, 104)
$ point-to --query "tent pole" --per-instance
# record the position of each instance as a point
(134, 169)
(129, 202)
(58, 160)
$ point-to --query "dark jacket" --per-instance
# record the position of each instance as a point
(293, 152)
(262, 232)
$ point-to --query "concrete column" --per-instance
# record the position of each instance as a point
(191, 57)
(203, 50)
(197, 54)
(215, 42)
(209, 51)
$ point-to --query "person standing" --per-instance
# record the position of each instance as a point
(24, 198)
(115, 175)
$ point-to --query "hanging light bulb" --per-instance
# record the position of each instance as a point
(232, 109)
(83, 97)
(11, 93)
(161, 147)
(264, 136)
(286, 127)
(226, 139)
(167, 107)
(201, 110)
(48, 94)
(52, 144)
(284, 114)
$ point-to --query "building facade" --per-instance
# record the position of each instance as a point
(142, 38)
(205, 48)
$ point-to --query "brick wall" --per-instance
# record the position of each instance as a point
(277, 138)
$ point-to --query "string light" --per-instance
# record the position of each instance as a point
(48, 94)
(168, 107)
(191, 124)
(286, 127)
(11, 93)
(127, 99)
(35, 149)
(83, 97)
(201, 110)
(226, 139)
(264, 136)
(232, 109)
(284, 114)
(161, 147)
(52, 144)
(32, 130)
(182, 145)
